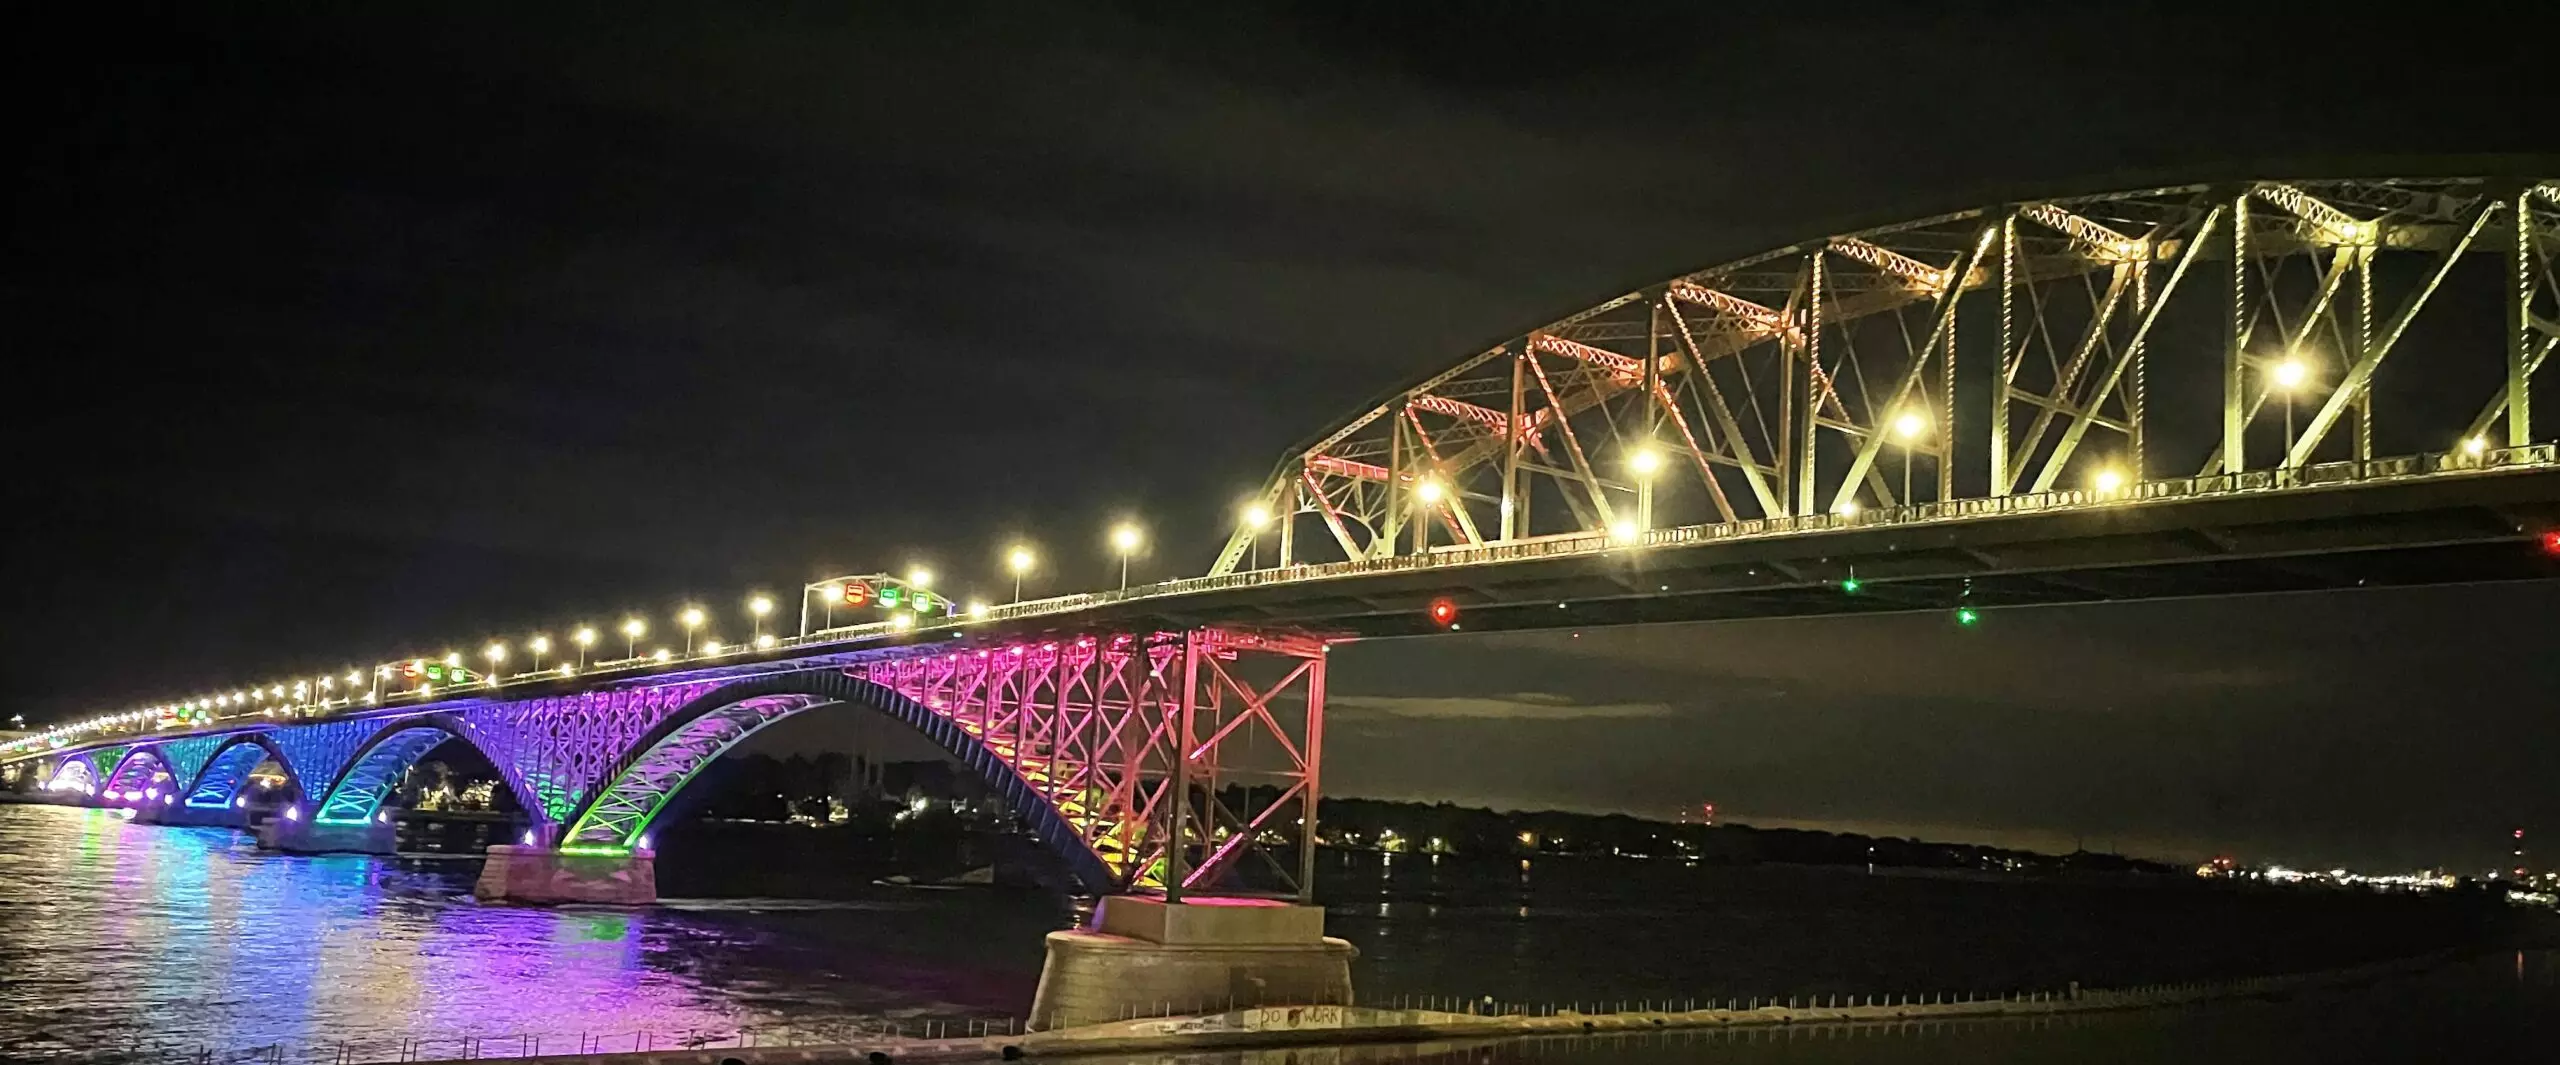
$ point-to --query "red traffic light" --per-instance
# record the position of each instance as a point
(857, 593)
(1444, 611)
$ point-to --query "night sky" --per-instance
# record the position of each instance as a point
(339, 337)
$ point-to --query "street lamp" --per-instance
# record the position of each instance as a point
(1909, 427)
(918, 577)
(585, 638)
(760, 606)
(540, 646)
(497, 654)
(692, 619)
(2288, 378)
(1125, 539)
(1254, 517)
(632, 630)
(1018, 560)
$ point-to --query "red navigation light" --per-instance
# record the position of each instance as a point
(2551, 542)
(857, 593)
(1444, 612)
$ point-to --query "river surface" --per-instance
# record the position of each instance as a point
(126, 942)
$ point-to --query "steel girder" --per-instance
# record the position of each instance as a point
(1825, 376)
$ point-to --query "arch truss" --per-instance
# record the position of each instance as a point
(2080, 343)
(1163, 761)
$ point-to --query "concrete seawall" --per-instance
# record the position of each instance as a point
(1317, 1026)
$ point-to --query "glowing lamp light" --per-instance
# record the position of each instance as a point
(586, 637)
(692, 617)
(711, 647)
(831, 591)
(2551, 543)
(760, 605)
(241, 803)
(1018, 560)
(540, 645)
(1256, 515)
(1125, 537)
(1623, 531)
(1444, 611)
(1910, 424)
(919, 577)
(2476, 446)
(2108, 481)
(977, 608)
(2290, 374)
(660, 655)
(1848, 509)
(1966, 615)
(635, 628)
(293, 813)
(496, 652)
(764, 642)
(902, 621)
(1645, 461)
(1851, 585)
(1428, 491)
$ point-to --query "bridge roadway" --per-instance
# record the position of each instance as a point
(2421, 520)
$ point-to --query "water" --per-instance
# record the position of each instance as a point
(114, 936)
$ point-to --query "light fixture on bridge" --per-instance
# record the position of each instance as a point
(1624, 531)
(495, 653)
(2107, 482)
(660, 655)
(1255, 515)
(1645, 462)
(1910, 425)
(453, 658)
(919, 577)
(1429, 491)
(711, 647)
(902, 621)
(977, 608)
(692, 617)
(760, 605)
(540, 645)
(1125, 539)
(2290, 373)
(1018, 559)
(764, 642)
(1848, 508)
(2476, 446)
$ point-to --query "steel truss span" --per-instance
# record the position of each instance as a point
(2098, 344)
(1110, 747)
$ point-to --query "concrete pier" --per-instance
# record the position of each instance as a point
(302, 835)
(1142, 955)
(516, 873)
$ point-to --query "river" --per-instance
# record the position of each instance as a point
(128, 942)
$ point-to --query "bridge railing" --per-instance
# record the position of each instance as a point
(2318, 476)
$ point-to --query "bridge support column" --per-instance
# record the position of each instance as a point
(1201, 955)
(303, 835)
(538, 875)
(181, 815)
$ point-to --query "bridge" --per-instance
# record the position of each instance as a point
(1952, 414)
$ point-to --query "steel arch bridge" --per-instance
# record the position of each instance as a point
(2253, 386)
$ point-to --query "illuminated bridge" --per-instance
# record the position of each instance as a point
(2246, 387)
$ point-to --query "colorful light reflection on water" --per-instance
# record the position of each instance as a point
(113, 934)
